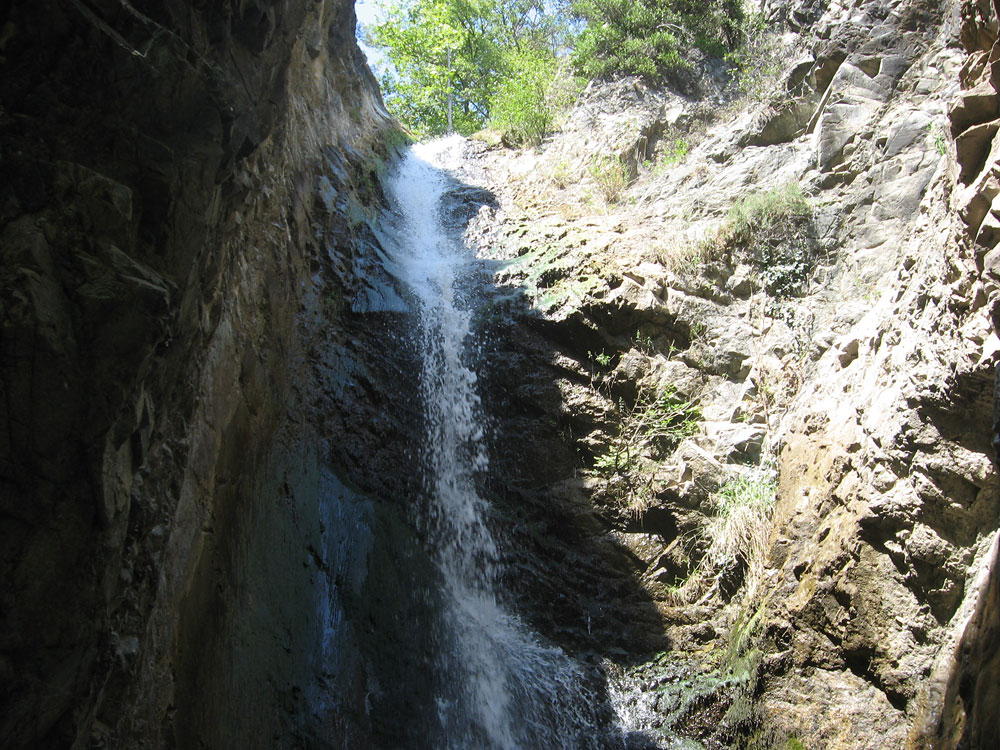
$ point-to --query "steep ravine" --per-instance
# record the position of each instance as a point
(212, 459)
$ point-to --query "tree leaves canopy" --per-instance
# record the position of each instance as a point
(496, 59)
(652, 38)
(463, 47)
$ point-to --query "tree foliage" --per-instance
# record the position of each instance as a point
(652, 38)
(497, 61)
(470, 49)
(528, 100)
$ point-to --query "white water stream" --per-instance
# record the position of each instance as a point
(500, 687)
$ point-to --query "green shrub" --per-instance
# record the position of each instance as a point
(740, 529)
(601, 358)
(648, 429)
(611, 175)
(652, 38)
(674, 153)
(522, 108)
(530, 101)
(756, 494)
(764, 211)
(770, 231)
(756, 63)
(451, 59)
(667, 418)
(733, 541)
(670, 155)
(562, 174)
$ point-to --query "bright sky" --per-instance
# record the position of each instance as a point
(366, 10)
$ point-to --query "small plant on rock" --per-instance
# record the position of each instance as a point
(756, 65)
(649, 428)
(644, 343)
(601, 358)
(611, 175)
(736, 535)
(771, 232)
(674, 153)
(670, 155)
(562, 174)
(940, 144)
(740, 667)
(680, 257)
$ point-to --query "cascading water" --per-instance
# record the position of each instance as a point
(500, 686)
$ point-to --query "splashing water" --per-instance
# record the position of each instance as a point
(502, 687)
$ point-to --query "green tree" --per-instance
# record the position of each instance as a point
(431, 53)
(525, 103)
(652, 38)
(468, 51)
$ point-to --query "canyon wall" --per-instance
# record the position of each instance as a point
(838, 363)
(181, 180)
(208, 464)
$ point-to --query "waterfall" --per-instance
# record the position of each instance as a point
(500, 686)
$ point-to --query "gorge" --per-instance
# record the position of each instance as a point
(317, 439)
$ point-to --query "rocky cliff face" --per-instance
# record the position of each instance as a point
(181, 180)
(738, 356)
(771, 417)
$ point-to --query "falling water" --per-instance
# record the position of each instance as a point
(501, 687)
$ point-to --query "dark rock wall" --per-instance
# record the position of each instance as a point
(180, 180)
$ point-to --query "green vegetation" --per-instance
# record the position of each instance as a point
(644, 343)
(740, 667)
(435, 52)
(528, 102)
(671, 154)
(649, 428)
(939, 141)
(723, 684)
(562, 174)
(547, 275)
(770, 231)
(520, 107)
(755, 494)
(762, 211)
(470, 61)
(734, 538)
(611, 175)
(653, 38)
(464, 64)
(739, 530)
(698, 332)
(664, 419)
(681, 257)
(396, 141)
(674, 152)
(602, 359)
(755, 63)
